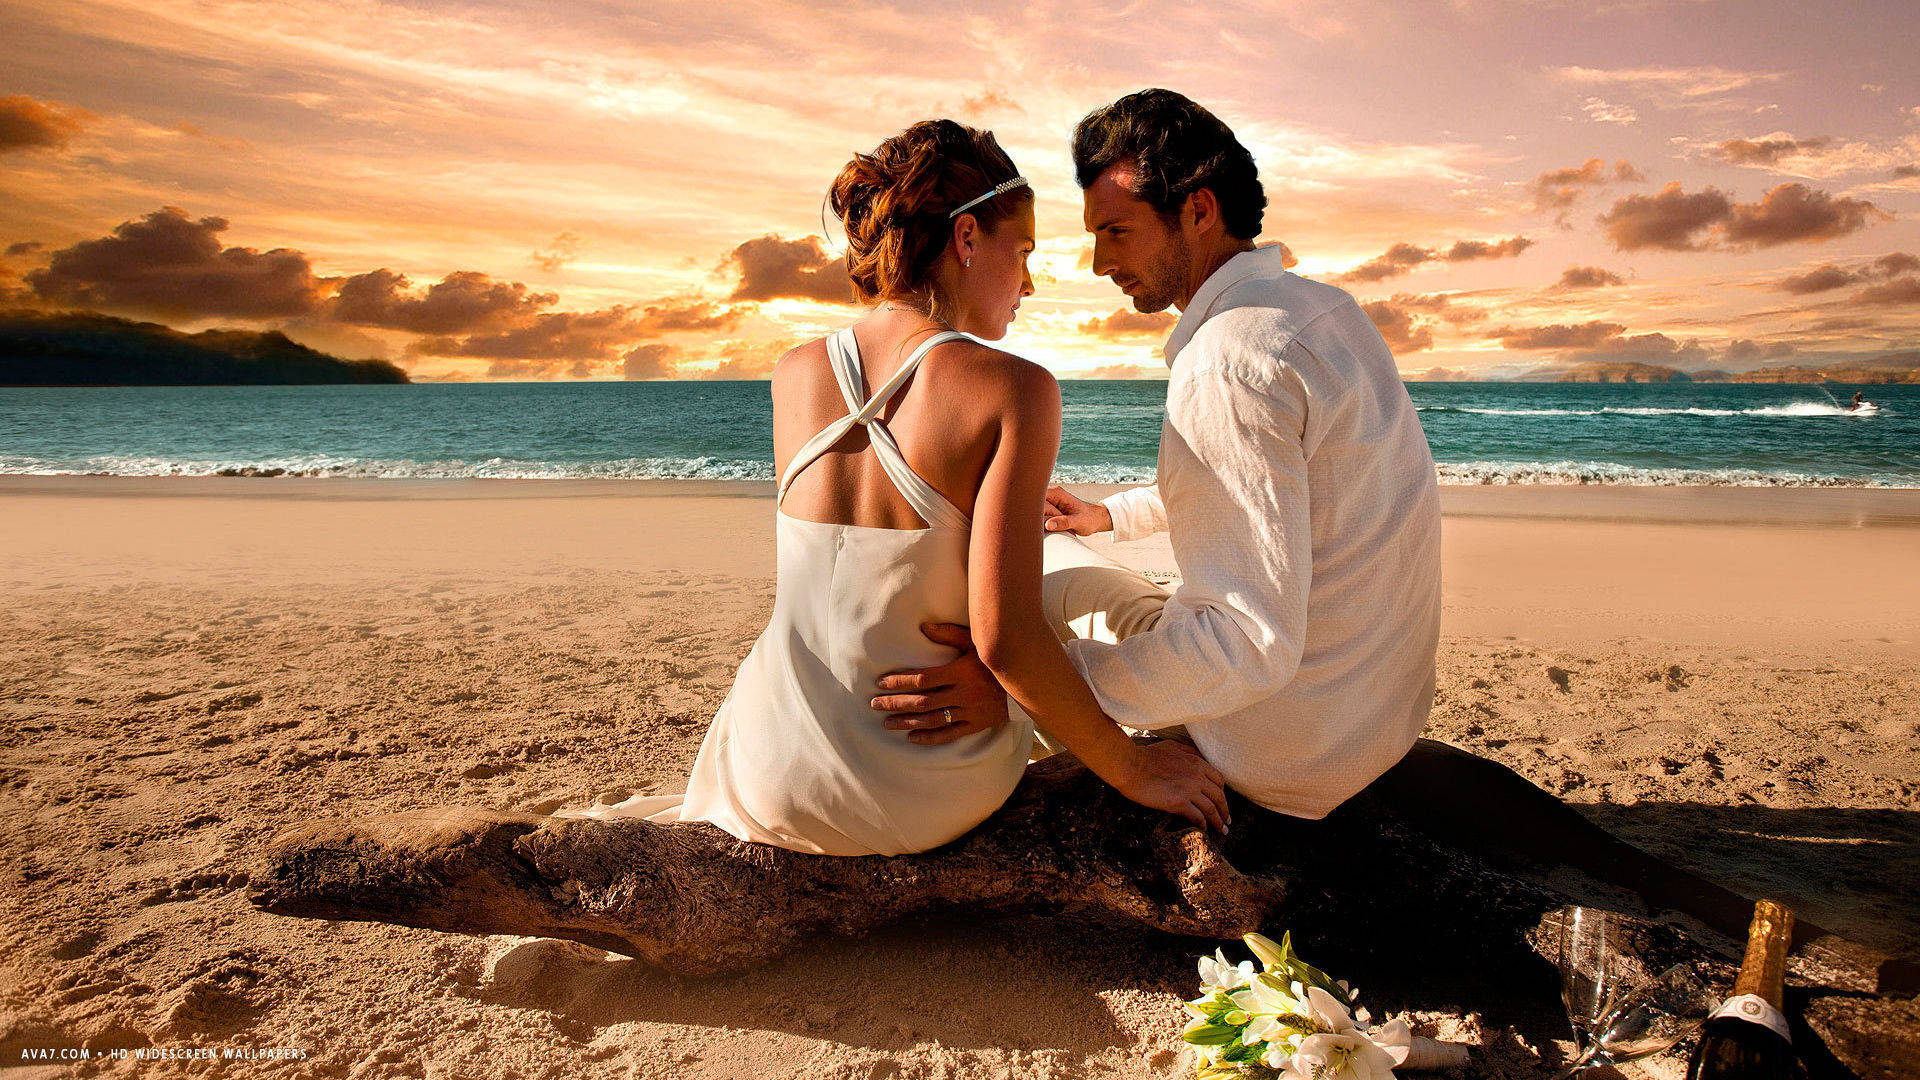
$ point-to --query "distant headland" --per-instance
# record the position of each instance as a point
(83, 349)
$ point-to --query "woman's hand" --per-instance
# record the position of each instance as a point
(1170, 775)
(1066, 512)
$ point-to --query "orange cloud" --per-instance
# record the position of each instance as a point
(649, 361)
(1398, 327)
(987, 101)
(12, 293)
(558, 335)
(1829, 277)
(1125, 323)
(1558, 189)
(1766, 152)
(558, 252)
(167, 264)
(1819, 279)
(524, 369)
(771, 268)
(1669, 221)
(1596, 340)
(1676, 221)
(1744, 351)
(463, 302)
(1117, 371)
(745, 359)
(1900, 292)
(26, 123)
(1796, 212)
(1403, 257)
(1587, 277)
(667, 316)
(1558, 336)
(1437, 306)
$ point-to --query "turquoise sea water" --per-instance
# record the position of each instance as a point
(1480, 432)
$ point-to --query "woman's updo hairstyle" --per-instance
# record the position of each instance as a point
(894, 204)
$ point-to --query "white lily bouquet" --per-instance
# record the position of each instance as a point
(1291, 1021)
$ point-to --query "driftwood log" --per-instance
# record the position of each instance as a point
(1448, 855)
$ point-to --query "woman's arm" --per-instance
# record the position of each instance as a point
(1013, 637)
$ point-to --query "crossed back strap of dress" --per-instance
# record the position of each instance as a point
(843, 353)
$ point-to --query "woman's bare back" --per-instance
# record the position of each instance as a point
(945, 419)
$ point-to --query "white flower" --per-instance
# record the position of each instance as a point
(1327, 1014)
(1217, 974)
(1264, 1001)
(1330, 1056)
(1300, 1031)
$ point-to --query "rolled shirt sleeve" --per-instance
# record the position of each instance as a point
(1233, 633)
(1137, 513)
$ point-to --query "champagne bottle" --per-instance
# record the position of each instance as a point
(1747, 1038)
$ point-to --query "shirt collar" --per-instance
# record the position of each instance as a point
(1266, 258)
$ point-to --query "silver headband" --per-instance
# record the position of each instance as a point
(998, 189)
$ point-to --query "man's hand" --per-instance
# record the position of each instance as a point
(1067, 512)
(916, 699)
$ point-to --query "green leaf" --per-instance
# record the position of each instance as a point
(1242, 1052)
(1310, 975)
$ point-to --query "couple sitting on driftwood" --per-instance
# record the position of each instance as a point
(938, 626)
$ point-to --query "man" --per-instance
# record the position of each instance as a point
(1300, 498)
(1295, 482)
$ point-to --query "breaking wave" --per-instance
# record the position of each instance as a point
(1792, 410)
(1467, 472)
(1606, 472)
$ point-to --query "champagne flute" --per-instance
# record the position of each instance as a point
(1648, 1019)
(1597, 965)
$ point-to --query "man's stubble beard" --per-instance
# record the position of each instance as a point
(1161, 287)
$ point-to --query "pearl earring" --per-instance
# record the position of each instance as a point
(968, 262)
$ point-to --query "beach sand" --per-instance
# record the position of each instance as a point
(190, 665)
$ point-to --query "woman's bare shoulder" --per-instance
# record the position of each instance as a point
(803, 373)
(979, 362)
(806, 356)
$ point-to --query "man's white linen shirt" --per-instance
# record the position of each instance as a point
(1299, 494)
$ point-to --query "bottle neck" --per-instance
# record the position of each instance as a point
(1763, 972)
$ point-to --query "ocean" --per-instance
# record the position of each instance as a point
(1487, 433)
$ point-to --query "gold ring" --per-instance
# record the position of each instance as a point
(948, 713)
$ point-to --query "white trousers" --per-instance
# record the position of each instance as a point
(1086, 595)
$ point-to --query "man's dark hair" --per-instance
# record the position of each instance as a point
(1175, 148)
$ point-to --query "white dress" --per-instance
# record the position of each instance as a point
(796, 757)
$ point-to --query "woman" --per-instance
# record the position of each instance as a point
(914, 461)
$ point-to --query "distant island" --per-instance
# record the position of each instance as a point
(82, 349)
(1893, 368)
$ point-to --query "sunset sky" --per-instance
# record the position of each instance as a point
(632, 190)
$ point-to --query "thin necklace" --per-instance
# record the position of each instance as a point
(891, 306)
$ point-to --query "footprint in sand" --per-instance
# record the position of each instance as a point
(150, 696)
(223, 996)
(75, 946)
(195, 886)
(86, 985)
